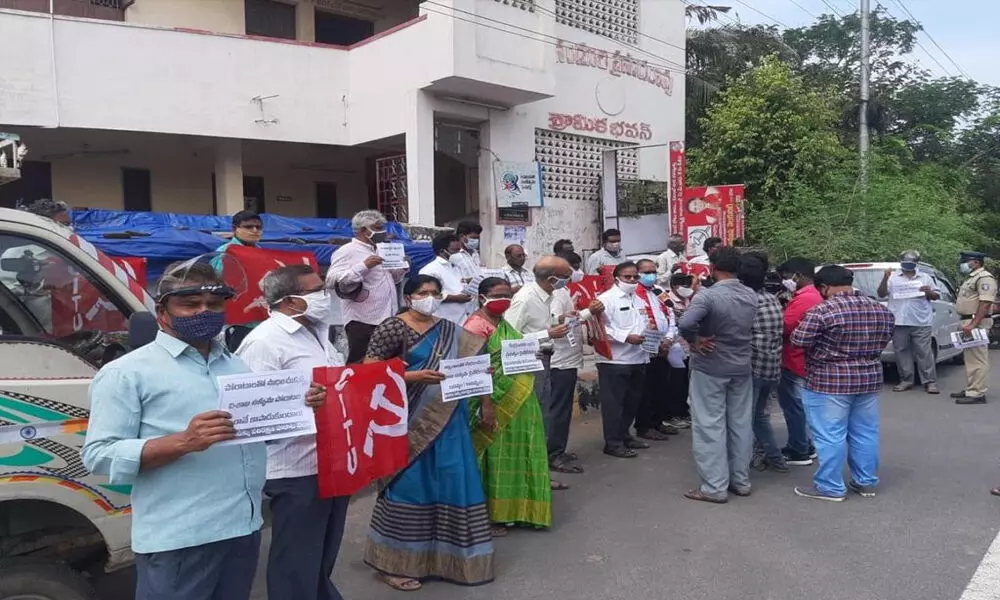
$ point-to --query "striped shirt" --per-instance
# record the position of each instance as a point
(347, 267)
(518, 278)
(843, 338)
(765, 339)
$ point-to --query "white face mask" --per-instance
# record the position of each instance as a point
(472, 244)
(577, 276)
(627, 287)
(790, 285)
(685, 292)
(318, 306)
(613, 247)
(426, 306)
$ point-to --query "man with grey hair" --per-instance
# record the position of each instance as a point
(56, 210)
(666, 262)
(367, 291)
(307, 530)
(910, 292)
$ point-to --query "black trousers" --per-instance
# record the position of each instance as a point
(305, 539)
(677, 394)
(620, 394)
(358, 334)
(655, 395)
(559, 413)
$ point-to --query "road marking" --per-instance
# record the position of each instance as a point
(985, 582)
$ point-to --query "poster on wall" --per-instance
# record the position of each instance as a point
(518, 184)
(678, 167)
(713, 211)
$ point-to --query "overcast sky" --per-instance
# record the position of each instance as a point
(965, 29)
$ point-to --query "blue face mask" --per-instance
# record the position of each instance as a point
(559, 283)
(199, 328)
(647, 279)
(908, 266)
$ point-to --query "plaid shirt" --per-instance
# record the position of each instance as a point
(765, 340)
(844, 338)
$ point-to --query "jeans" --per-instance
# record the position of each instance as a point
(845, 427)
(722, 431)
(620, 393)
(790, 399)
(305, 539)
(914, 343)
(559, 413)
(221, 570)
(763, 433)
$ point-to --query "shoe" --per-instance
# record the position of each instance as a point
(902, 387)
(796, 459)
(777, 466)
(861, 490)
(680, 422)
(636, 445)
(932, 388)
(971, 400)
(758, 462)
(741, 492)
(814, 494)
(653, 435)
(958, 394)
(667, 429)
(621, 452)
(812, 451)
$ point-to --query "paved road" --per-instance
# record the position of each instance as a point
(624, 531)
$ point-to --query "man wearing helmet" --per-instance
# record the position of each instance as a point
(910, 293)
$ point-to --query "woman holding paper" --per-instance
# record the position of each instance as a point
(513, 458)
(430, 520)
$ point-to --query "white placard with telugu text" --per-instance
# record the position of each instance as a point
(520, 356)
(393, 255)
(466, 377)
(267, 406)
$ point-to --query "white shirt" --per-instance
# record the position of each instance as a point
(281, 343)
(624, 315)
(566, 356)
(467, 263)
(913, 312)
(518, 278)
(665, 266)
(530, 312)
(603, 258)
(451, 285)
(348, 267)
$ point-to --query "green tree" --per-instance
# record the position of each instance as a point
(769, 130)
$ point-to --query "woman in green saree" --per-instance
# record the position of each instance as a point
(512, 454)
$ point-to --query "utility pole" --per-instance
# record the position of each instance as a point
(864, 141)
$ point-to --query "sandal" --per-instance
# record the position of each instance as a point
(402, 584)
(498, 531)
(562, 465)
(995, 491)
(621, 452)
(701, 496)
(557, 486)
(903, 387)
(571, 456)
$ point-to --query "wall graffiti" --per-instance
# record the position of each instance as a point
(601, 125)
(615, 63)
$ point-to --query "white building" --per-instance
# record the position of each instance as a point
(326, 107)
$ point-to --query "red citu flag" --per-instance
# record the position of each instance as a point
(583, 293)
(250, 307)
(361, 428)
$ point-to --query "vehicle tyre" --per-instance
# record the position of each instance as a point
(36, 579)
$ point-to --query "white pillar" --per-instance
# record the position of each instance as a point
(229, 176)
(305, 21)
(491, 240)
(420, 162)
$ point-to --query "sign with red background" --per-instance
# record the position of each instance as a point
(256, 263)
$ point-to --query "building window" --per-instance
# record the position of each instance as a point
(616, 19)
(339, 30)
(571, 164)
(137, 190)
(270, 19)
(528, 5)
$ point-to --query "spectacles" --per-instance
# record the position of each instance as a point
(252, 227)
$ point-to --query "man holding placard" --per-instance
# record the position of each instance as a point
(910, 293)
(307, 530)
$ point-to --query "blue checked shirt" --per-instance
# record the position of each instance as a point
(765, 340)
(201, 498)
(844, 338)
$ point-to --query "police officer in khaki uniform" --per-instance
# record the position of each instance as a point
(974, 305)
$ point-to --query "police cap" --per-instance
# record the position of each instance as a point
(968, 255)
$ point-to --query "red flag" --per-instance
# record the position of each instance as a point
(583, 293)
(250, 306)
(134, 266)
(361, 428)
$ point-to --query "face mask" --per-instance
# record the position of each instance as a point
(377, 237)
(614, 247)
(685, 292)
(199, 328)
(472, 244)
(647, 279)
(965, 268)
(559, 283)
(627, 287)
(790, 285)
(577, 276)
(426, 306)
(318, 307)
(496, 306)
(908, 266)
(452, 258)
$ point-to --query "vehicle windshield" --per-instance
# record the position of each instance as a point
(867, 281)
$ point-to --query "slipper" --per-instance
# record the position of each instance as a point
(557, 486)
(903, 387)
(498, 531)
(570, 456)
(703, 497)
(564, 467)
(402, 584)
(995, 491)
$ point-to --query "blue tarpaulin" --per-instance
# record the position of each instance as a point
(163, 238)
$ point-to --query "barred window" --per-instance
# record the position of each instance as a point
(571, 164)
(528, 5)
(616, 19)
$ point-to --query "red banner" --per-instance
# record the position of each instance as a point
(678, 170)
(250, 306)
(77, 305)
(587, 289)
(134, 266)
(361, 428)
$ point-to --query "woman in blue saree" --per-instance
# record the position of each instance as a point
(430, 520)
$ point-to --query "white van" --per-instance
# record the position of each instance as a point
(64, 311)
(868, 276)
